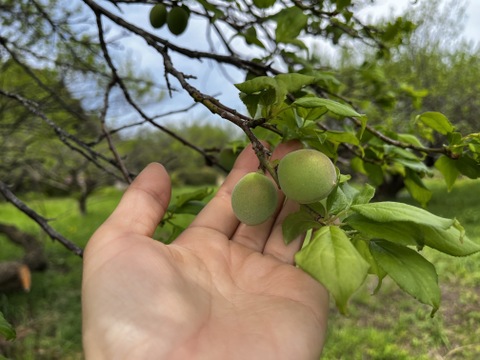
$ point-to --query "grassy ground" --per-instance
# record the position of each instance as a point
(389, 325)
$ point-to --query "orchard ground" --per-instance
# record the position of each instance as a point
(388, 325)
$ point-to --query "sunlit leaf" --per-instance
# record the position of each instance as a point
(387, 211)
(448, 169)
(437, 121)
(256, 85)
(331, 258)
(333, 106)
(450, 241)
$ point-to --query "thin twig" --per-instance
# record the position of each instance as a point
(82, 148)
(111, 146)
(40, 220)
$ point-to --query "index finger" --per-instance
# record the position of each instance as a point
(142, 206)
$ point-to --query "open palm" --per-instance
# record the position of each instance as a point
(221, 290)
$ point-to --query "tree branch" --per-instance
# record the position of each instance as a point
(40, 220)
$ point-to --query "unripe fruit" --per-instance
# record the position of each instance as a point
(306, 176)
(254, 199)
(177, 20)
(158, 16)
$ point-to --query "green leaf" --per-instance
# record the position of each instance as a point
(398, 232)
(374, 173)
(341, 4)
(450, 241)
(297, 224)
(448, 169)
(411, 271)
(333, 106)
(417, 188)
(338, 200)
(190, 207)
(331, 258)
(468, 167)
(250, 36)
(363, 248)
(410, 139)
(436, 121)
(199, 194)
(344, 195)
(263, 4)
(6, 329)
(294, 82)
(387, 211)
(290, 22)
(415, 165)
(364, 195)
(256, 85)
(212, 8)
(341, 137)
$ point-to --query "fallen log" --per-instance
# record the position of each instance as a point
(16, 274)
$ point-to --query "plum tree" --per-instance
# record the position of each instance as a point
(158, 15)
(254, 199)
(306, 176)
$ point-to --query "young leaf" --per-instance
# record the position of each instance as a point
(338, 200)
(256, 85)
(290, 22)
(394, 231)
(332, 259)
(333, 106)
(417, 188)
(192, 207)
(364, 195)
(294, 82)
(6, 329)
(448, 169)
(450, 241)
(297, 224)
(437, 121)
(411, 271)
(199, 194)
(388, 211)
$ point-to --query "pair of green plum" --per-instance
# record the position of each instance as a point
(305, 176)
(176, 19)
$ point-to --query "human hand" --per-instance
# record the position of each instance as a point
(221, 290)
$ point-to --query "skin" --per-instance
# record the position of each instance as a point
(221, 290)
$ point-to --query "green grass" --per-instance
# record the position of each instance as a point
(388, 325)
